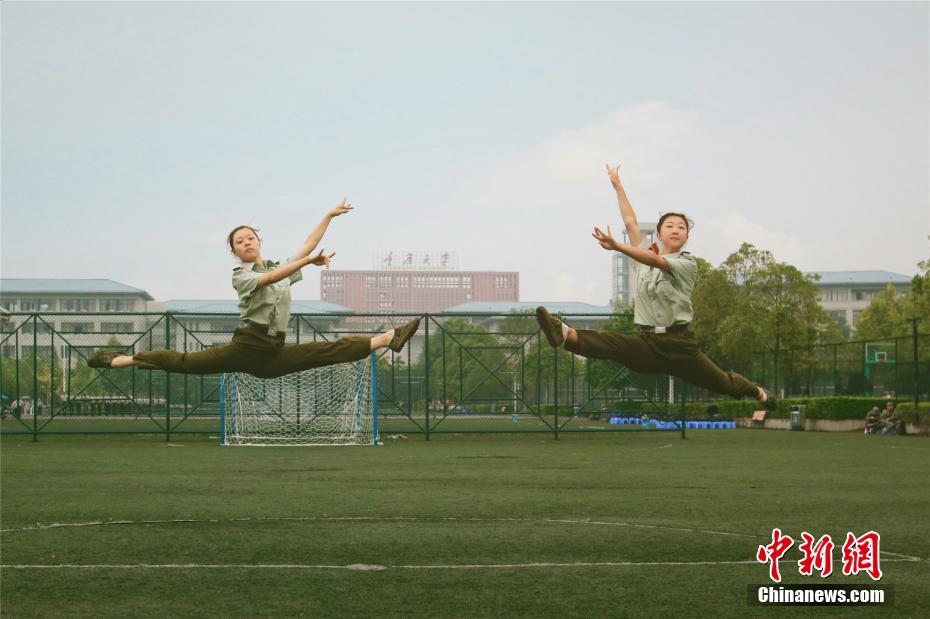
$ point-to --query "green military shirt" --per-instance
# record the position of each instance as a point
(664, 299)
(265, 305)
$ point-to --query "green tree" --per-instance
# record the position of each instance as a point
(884, 317)
(752, 303)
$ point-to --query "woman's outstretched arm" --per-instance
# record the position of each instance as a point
(286, 270)
(626, 209)
(644, 256)
(313, 239)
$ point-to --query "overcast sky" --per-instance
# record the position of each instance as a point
(136, 135)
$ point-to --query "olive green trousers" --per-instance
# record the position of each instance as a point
(255, 352)
(674, 352)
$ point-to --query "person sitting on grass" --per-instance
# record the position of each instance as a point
(257, 347)
(889, 420)
(662, 311)
(873, 422)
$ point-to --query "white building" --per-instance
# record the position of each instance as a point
(623, 283)
(844, 294)
(75, 313)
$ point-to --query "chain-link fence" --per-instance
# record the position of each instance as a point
(460, 373)
(892, 367)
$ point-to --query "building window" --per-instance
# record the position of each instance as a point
(856, 317)
(40, 327)
(834, 294)
(115, 305)
(33, 305)
(865, 295)
(116, 327)
(403, 281)
(371, 281)
(79, 305)
(77, 327)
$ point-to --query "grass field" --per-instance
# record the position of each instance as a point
(620, 524)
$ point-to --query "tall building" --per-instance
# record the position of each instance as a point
(407, 289)
(844, 294)
(623, 284)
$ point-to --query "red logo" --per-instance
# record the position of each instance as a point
(860, 554)
(817, 555)
(773, 552)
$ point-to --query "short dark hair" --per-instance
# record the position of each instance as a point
(688, 223)
(229, 239)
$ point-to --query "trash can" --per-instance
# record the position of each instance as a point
(798, 414)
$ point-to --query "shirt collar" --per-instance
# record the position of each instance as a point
(250, 266)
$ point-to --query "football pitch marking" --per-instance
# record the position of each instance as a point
(367, 567)
(635, 525)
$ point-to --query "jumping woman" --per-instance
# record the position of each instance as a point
(257, 347)
(662, 312)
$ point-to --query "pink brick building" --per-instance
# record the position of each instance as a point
(403, 292)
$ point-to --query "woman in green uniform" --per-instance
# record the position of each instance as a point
(257, 346)
(662, 311)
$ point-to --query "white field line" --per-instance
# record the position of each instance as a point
(102, 523)
(365, 567)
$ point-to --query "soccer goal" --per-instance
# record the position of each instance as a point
(332, 405)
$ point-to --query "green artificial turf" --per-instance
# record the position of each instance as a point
(462, 525)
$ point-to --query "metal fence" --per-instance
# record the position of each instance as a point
(460, 373)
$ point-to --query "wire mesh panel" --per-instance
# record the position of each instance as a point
(324, 406)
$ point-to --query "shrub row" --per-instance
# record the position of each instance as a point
(832, 408)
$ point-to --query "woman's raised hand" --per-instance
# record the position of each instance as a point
(343, 208)
(606, 239)
(321, 259)
(614, 174)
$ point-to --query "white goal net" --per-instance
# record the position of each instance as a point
(332, 405)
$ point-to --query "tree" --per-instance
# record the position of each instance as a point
(752, 303)
(884, 317)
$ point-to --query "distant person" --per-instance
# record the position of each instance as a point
(662, 311)
(257, 346)
(873, 422)
(890, 421)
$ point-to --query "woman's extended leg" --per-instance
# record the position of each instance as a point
(631, 351)
(231, 357)
(318, 354)
(313, 355)
(686, 360)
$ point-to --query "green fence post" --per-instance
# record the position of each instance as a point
(426, 377)
(35, 376)
(167, 381)
(682, 411)
(555, 391)
(913, 322)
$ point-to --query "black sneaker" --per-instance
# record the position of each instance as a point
(771, 402)
(403, 334)
(102, 358)
(551, 327)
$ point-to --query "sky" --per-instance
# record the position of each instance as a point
(136, 135)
